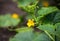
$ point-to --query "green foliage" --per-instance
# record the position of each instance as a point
(7, 20)
(47, 27)
(29, 35)
(46, 10)
(46, 22)
(46, 19)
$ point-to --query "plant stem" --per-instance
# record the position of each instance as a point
(49, 35)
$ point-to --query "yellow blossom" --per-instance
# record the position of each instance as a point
(30, 23)
(15, 15)
(45, 3)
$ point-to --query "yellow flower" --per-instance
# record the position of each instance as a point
(45, 3)
(30, 23)
(15, 15)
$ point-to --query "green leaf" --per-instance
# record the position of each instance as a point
(46, 10)
(14, 22)
(7, 20)
(47, 27)
(42, 37)
(27, 34)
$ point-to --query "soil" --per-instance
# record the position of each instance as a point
(5, 34)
